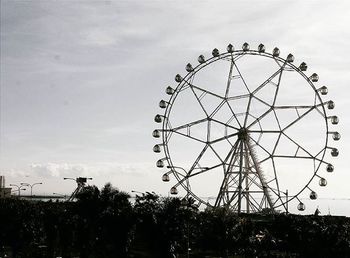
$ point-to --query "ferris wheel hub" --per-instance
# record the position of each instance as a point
(243, 134)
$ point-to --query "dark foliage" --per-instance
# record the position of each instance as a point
(103, 223)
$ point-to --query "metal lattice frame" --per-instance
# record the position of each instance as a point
(244, 182)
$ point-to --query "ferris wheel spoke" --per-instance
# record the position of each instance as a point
(264, 131)
(294, 157)
(268, 80)
(260, 100)
(297, 107)
(193, 86)
(217, 108)
(204, 170)
(298, 147)
(174, 129)
(258, 144)
(299, 118)
(225, 124)
(229, 78)
(278, 84)
(216, 153)
(199, 97)
(240, 75)
(199, 101)
(259, 118)
(190, 137)
(194, 165)
(247, 110)
(234, 114)
(224, 138)
(238, 97)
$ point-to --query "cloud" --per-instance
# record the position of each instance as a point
(57, 170)
(106, 169)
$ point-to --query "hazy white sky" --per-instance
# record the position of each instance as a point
(81, 80)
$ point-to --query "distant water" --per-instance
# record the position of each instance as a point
(329, 206)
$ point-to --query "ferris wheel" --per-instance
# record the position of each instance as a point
(247, 130)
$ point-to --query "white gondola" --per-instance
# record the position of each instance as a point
(336, 136)
(189, 68)
(330, 104)
(330, 168)
(158, 118)
(230, 48)
(301, 206)
(313, 195)
(290, 58)
(173, 190)
(322, 182)
(335, 152)
(160, 163)
(201, 59)
(303, 66)
(156, 148)
(334, 120)
(323, 90)
(156, 134)
(165, 178)
(169, 90)
(163, 104)
(215, 52)
(178, 78)
(314, 77)
(261, 48)
(275, 52)
(245, 47)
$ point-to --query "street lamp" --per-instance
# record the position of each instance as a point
(18, 188)
(31, 187)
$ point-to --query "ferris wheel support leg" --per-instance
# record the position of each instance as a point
(260, 175)
(240, 177)
(246, 178)
(227, 175)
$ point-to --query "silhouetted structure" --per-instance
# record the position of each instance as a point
(81, 181)
(5, 192)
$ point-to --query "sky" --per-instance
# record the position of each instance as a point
(81, 81)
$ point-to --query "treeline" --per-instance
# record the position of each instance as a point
(103, 223)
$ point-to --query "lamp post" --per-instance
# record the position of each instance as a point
(18, 188)
(286, 200)
(31, 186)
(69, 178)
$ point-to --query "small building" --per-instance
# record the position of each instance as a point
(5, 192)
